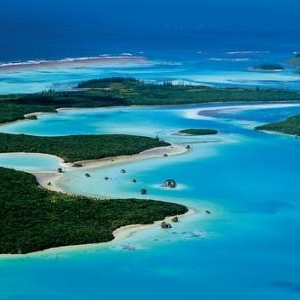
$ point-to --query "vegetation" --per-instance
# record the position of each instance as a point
(32, 218)
(14, 107)
(78, 147)
(198, 131)
(135, 92)
(128, 91)
(288, 126)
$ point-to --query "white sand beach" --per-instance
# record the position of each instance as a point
(44, 178)
(147, 154)
(119, 234)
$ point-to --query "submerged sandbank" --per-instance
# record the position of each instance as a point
(209, 112)
(79, 62)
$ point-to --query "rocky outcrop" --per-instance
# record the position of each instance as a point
(171, 183)
(165, 225)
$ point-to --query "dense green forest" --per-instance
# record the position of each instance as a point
(79, 147)
(198, 131)
(127, 91)
(141, 93)
(32, 218)
(288, 126)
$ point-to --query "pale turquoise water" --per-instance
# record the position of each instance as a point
(156, 71)
(30, 162)
(248, 248)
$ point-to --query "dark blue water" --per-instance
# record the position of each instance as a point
(163, 29)
(198, 34)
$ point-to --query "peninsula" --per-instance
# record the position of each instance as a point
(289, 126)
(127, 91)
(79, 147)
(33, 219)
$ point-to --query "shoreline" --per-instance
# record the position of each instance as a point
(44, 177)
(278, 133)
(172, 150)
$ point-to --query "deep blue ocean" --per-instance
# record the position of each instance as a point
(222, 57)
(162, 29)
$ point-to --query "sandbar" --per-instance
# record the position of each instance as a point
(44, 178)
(80, 62)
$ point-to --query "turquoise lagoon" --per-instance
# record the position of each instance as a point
(30, 162)
(247, 248)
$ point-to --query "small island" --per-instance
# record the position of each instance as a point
(198, 131)
(289, 126)
(34, 219)
(268, 68)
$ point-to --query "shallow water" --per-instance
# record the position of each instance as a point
(30, 162)
(247, 248)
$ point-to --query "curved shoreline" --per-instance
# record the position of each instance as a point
(192, 111)
(44, 177)
(119, 234)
